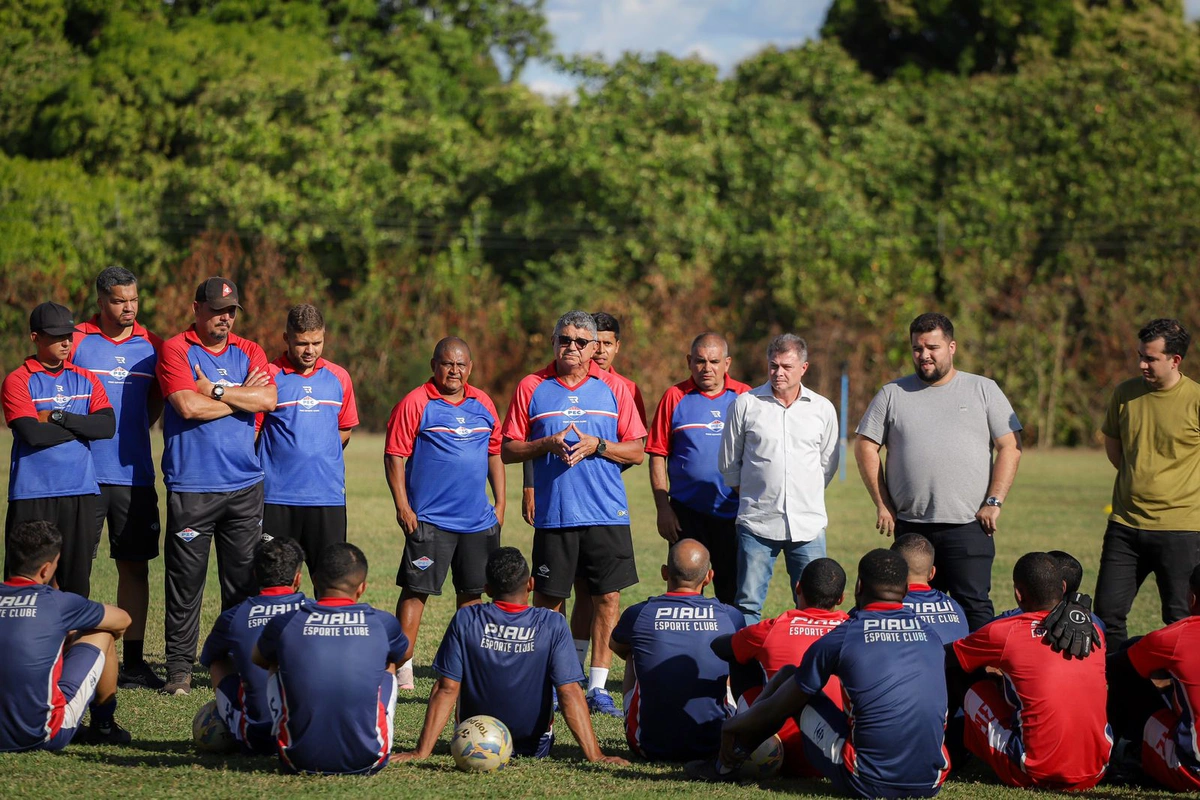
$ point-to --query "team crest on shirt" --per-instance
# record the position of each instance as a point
(61, 400)
(119, 373)
(462, 429)
(308, 402)
(574, 411)
(187, 534)
(717, 425)
(423, 563)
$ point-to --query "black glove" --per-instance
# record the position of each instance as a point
(1069, 627)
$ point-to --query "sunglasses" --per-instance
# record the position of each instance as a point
(580, 343)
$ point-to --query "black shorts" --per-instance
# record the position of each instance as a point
(602, 554)
(314, 527)
(132, 515)
(431, 552)
(75, 517)
(719, 535)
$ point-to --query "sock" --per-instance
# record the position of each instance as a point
(407, 665)
(581, 646)
(133, 652)
(599, 676)
(102, 715)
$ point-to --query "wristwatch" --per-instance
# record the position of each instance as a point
(56, 416)
(218, 392)
(993, 501)
(602, 448)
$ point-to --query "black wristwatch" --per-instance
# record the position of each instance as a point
(56, 416)
(218, 392)
(602, 448)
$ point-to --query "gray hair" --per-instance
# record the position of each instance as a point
(787, 343)
(576, 319)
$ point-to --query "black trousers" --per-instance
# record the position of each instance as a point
(720, 537)
(74, 516)
(1132, 699)
(314, 527)
(194, 520)
(1128, 556)
(963, 556)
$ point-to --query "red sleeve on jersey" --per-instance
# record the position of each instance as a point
(348, 416)
(659, 441)
(155, 341)
(984, 647)
(494, 441)
(749, 641)
(640, 404)
(18, 403)
(1155, 650)
(175, 373)
(404, 423)
(516, 422)
(99, 400)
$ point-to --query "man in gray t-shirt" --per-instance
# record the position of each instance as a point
(940, 427)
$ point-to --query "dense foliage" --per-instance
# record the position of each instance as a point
(1030, 168)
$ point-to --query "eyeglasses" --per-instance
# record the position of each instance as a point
(580, 343)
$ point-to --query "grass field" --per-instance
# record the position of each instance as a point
(1057, 503)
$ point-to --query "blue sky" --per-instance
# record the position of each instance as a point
(723, 32)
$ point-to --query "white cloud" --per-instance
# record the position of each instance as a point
(1191, 9)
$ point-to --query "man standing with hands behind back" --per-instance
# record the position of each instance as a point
(214, 383)
(940, 427)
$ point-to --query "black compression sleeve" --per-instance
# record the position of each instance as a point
(100, 424)
(527, 474)
(40, 434)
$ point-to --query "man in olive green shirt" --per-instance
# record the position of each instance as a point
(1152, 437)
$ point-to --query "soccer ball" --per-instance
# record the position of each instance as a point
(209, 731)
(766, 760)
(481, 744)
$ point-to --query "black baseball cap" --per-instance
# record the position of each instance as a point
(53, 319)
(220, 294)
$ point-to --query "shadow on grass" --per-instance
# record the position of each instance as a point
(171, 754)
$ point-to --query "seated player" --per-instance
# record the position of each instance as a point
(1042, 724)
(332, 665)
(779, 644)
(679, 688)
(1165, 726)
(240, 685)
(501, 659)
(892, 745)
(59, 650)
(938, 610)
(1072, 575)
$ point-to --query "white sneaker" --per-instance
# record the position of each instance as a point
(404, 678)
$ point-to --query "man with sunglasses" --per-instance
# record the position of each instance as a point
(578, 425)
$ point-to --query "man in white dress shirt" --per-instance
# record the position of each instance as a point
(779, 452)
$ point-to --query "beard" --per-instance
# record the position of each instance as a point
(937, 372)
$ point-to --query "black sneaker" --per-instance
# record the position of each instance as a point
(706, 770)
(115, 734)
(139, 676)
(178, 684)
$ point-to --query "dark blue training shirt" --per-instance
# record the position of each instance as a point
(938, 611)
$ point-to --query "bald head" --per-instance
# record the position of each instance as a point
(708, 362)
(706, 340)
(451, 344)
(918, 554)
(687, 567)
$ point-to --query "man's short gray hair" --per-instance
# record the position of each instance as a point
(575, 319)
(787, 343)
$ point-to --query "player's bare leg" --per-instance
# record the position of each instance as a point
(409, 610)
(462, 600)
(606, 610)
(103, 728)
(581, 611)
(546, 601)
(133, 597)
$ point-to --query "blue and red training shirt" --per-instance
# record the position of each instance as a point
(939, 611)
(447, 445)
(218, 455)
(591, 492)
(507, 657)
(61, 470)
(126, 370)
(678, 700)
(34, 622)
(299, 443)
(687, 431)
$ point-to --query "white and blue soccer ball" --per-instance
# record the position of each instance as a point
(481, 744)
(209, 732)
(766, 761)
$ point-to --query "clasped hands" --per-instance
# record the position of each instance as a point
(572, 454)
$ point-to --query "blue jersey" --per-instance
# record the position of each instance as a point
(591, 492)
(61, 470)
(300, 443)
(893, 677)
(218, 455)
(938, 610)
(126, 370)
(233, 636)
(447, 446)
(507, 657)
(34, 621)
(678, 701)
(332, 696)
(687, 432)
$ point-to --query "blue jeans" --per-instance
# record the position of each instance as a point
(756, 563)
